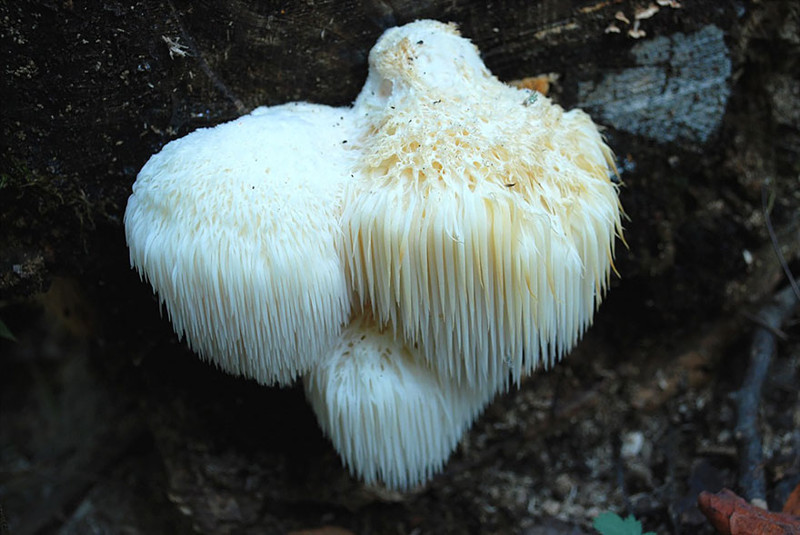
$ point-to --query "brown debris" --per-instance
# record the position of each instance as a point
(540, 84)
(687, 370)
(731, 515)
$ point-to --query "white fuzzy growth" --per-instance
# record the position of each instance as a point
(475, 222)
(482, 223)
(235, 228)
(387, 413)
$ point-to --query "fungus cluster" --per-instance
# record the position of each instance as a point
(461, 237)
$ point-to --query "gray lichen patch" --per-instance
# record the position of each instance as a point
(677, 92)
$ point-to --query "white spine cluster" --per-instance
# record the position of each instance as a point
(464, 228)
(480, 225)
(235, 228)
(390, 417)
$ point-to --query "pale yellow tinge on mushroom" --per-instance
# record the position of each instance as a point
(388, 414)
(481, 224)
(234, 228)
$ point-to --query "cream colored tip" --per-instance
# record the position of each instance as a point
(482, 220)
(389, 416)
(235, 227)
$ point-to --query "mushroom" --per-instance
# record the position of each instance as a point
(234, 227)
(389, 415)
(481, 221)
(466, 232)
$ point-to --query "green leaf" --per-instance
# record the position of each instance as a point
(6, 333)
(612, 524)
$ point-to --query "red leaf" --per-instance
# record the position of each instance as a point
(731, 515)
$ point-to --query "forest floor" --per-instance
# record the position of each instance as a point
(96, 442)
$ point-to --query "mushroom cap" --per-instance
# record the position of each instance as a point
(482, 220)
(235, 228)
(388, 414)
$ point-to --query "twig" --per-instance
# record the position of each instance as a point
(777, 333)
(671, 453)
(619, 469)
(766, 206)
(748, 435)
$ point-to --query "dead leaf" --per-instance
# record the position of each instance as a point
(540, 84)
(732, 515)
(792, 505)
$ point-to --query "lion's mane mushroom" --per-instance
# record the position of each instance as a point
(388, 414)
(234, 227)
(471, 224)
(482, 220)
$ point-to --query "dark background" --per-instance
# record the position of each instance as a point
(108, 424)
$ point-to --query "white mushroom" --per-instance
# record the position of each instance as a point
(388, 414)
(482, 220)
(474, 221)
(234, 228)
